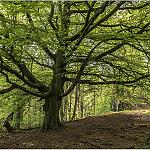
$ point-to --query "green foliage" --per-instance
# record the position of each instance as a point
(44, 45)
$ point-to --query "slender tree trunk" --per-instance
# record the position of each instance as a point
(66, 105)
(62, 113)
(94, 101)
(70, 105)
(81, 102)
(76, 102)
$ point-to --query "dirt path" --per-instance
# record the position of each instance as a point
(116, 130)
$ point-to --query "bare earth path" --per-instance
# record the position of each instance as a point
(118, 130)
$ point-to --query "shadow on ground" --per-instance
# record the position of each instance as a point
(118, 130)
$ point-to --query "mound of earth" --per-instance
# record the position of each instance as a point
(117, 130)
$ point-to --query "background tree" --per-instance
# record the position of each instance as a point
(108, 41)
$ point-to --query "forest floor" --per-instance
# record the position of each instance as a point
(112, 130)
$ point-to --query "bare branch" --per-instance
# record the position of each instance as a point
(80, 72)
(110, 51)
(51, 17)
(122, 43)
(88, 74)
(109, 82)
(124, 70)
(41, 64)
(14, 72)
(88, 23)
(15, 85)
(28, 90)
(107, 16)
(44, 46)
(144, 28)
(32, 81)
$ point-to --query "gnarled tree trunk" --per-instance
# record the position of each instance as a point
(51, 110)
(53, 100)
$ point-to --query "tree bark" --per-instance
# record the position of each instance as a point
(76, 102)
(51, 110)
(54, 99)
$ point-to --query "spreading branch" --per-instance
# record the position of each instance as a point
(41, 64)
(51, 14)
(19, 76)
(80, 72)
(44, 46)
(4, 91)
(87, 24)
(109, 82)
(106, 16)
(110, 51)
(21, 87)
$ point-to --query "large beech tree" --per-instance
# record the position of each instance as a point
(86, 42)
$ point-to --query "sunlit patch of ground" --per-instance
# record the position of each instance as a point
(129, 129)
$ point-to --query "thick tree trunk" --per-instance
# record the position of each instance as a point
(51, 109)
(53, 101)
(52, 106)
